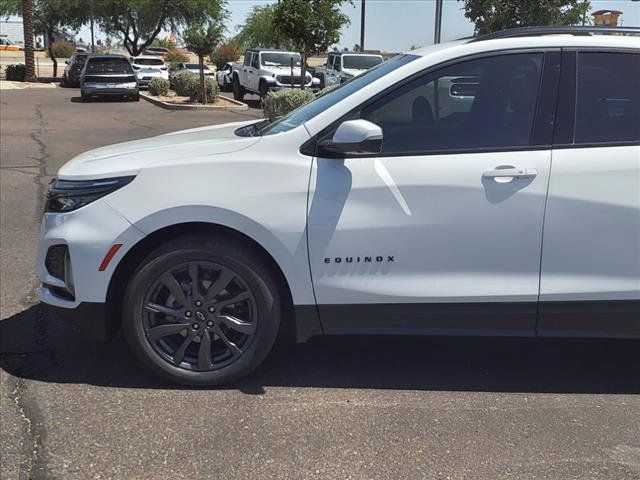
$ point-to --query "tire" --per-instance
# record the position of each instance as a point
(263, 91)
(136, 97)
(84, 97)
(64, 83)
(238, 90)
(259, 313)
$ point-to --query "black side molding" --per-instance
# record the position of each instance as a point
(608, 318)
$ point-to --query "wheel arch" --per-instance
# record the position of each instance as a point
(136, 254)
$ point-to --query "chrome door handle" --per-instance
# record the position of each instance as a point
(511, 172)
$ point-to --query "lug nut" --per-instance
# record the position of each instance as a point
(198, 303)
(212, 309)
(187, 314)
(209, 323)
(195, 326)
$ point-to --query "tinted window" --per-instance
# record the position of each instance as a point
(108, 65)
(148, 61)
(247, 58)
(320, 104)
(255, 62)
(477, 104)
(360, 62)
(608, 97)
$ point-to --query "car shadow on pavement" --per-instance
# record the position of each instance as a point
(36, 345)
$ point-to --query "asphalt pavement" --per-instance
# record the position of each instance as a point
(334, 408)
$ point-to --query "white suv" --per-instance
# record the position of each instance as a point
(149, 67)
(481, 187)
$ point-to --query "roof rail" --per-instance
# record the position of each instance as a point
(555, 30)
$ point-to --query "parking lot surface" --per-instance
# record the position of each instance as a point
(352, 407)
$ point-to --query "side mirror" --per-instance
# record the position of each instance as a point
(354, 137)
(66, 62)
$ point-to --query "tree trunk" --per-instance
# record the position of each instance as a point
(50, 50)
(303, 69)
(27, 23)
(203, 91)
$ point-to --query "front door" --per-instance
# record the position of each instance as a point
(442, 231)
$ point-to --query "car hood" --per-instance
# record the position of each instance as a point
(129, 157)
(285, 70)
(354, 71)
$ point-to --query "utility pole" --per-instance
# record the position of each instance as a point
(362, 14)
(438, 28)
(93, 45)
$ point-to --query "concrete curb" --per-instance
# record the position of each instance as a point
(235, 107)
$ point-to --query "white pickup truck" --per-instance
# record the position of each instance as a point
(265, 70)
(341, 66)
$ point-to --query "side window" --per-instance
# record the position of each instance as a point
(255, 62)
(330, 61)
(337, 64)
(608, 97)
(476, 104)
(247, 59)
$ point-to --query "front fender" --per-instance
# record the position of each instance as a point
(291, 257)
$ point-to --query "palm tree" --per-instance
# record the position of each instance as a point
(27, 22)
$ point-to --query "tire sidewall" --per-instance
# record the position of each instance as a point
(268, 315)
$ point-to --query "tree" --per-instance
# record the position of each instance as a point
(223, 54)
(139, 22)
(311, 26)
(259, 30)
(493, 15)
(202, 40)
(49, 16)
(27, 23)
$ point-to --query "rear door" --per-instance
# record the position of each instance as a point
(441, 231)
(590, 278)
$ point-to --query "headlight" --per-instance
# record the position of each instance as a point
(69, 195)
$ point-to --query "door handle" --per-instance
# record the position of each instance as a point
(511, 172)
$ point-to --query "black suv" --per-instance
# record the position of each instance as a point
(71, 74)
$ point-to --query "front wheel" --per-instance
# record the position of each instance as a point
(238, 91)
(264, 91)
(202, 311)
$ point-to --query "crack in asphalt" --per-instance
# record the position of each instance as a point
(41, 159)
(33, 437)
(27, 405)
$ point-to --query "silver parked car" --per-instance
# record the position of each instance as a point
(108, 75)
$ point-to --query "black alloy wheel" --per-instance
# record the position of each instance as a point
(202, 311)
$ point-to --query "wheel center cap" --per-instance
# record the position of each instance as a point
(201, 316)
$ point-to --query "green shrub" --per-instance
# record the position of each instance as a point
(326, 90)
(61, 49)
(184, 83)
(159, 87)
(15, 73)
(283, 101)
(211, 87)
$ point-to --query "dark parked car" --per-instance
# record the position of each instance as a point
(108, 75)
(73, 69)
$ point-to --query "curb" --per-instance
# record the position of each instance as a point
(236, 107)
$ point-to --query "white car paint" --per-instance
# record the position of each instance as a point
(148, 67)
(456, 236)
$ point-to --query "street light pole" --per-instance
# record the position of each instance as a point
(438, 27)
(362, 14)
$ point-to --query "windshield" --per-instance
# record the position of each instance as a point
(149, 61)
(278, 59)
(195, 66)
(360, 62)
(108, 65)
(320, 104)
(79, 59)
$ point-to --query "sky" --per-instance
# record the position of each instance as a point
(397, 25)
